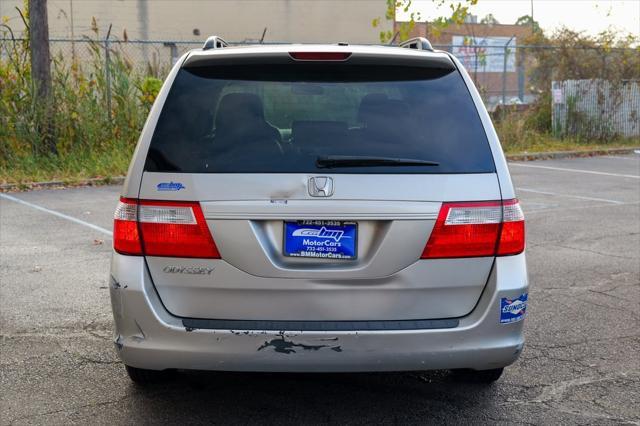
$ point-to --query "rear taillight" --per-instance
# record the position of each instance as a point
(512, 237)
(477, 229)
(126, 239)
(162, 228)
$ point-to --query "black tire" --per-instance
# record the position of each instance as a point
(478, 376)
(143, 377)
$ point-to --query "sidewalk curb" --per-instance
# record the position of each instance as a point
(119, 180)
(570, 154)
(61, 184)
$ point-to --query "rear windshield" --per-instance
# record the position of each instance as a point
(284, 118)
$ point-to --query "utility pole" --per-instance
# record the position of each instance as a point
(41, 69)
(533, 27)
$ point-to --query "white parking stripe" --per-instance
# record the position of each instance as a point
(562, 169)
(636, 158)
(58, 214)
(564, 209)
(579, 197)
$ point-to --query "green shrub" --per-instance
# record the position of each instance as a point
(538, 118)
(149, 88)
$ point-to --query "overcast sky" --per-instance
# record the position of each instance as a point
(591, 16)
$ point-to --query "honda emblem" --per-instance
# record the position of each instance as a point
(321, 186)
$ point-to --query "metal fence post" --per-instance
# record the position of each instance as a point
(108, 72)
(504, 72)
(520, 58)
(174, 51)
(555, 110)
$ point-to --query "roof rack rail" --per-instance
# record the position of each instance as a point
(419, 43)
(214, 42)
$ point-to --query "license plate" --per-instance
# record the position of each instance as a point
(328, 239)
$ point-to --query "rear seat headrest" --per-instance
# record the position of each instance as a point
(239, 109)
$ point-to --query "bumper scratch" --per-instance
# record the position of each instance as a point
(283, 346)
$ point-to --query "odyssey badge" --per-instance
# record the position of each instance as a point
(191, 270)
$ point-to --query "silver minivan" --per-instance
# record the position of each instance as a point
(318, 208)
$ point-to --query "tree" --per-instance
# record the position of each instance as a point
(459, 11)
(404, 28)
(41, 69)
(573, 55)
(526, 20)
(611, 57)
(489, 20)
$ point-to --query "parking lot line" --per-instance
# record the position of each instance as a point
(579, 197)
(635, 158)
(565, 209)
(563, 169)
(58, 214)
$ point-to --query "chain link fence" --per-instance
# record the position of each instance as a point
(499, 76)
(596, 108)
(154, 57)
(502, 74)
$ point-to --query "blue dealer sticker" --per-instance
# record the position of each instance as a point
(513, 310)
(321, 239)
(170, 186)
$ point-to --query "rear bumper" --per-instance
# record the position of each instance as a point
(147, 336)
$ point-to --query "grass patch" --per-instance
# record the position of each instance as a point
(547, 143)
(529, 132)
(75, 167)
(70, 168)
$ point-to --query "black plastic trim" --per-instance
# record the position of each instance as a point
(222, 324)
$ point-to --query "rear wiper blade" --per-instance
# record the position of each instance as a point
(335, 161)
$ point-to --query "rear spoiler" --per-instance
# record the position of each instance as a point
(245, 56)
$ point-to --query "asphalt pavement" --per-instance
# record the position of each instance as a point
(580, 365)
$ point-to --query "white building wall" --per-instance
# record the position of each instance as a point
(240, 20)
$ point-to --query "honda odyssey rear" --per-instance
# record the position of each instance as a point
(318, 208)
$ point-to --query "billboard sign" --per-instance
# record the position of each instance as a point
(485, 54)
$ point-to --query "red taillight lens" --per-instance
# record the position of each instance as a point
(464, 230)
(476, 229)
(126, 239)
(162, 228)
(320, 56)
(512, 238)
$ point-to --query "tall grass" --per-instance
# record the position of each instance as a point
(91, 139)
(530, 131)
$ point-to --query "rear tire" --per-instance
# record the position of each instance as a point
(143, 377)
(478, 376)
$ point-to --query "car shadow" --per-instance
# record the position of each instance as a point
(400, 398)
